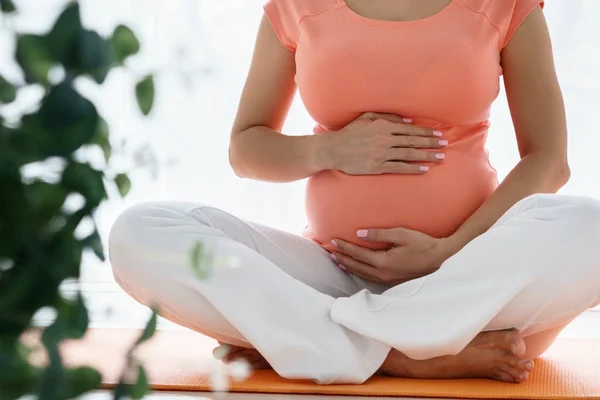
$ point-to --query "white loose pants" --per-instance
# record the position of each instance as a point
(535, 270)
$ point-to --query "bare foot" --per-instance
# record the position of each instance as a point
(235, 353)
(494, 355)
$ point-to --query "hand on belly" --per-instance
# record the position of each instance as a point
(382, 144)
(412, 255)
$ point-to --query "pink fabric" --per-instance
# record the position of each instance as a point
(442, 71)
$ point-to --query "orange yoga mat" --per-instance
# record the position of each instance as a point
(180, 360)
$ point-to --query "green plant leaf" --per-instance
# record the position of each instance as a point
(198, 260)
(124, 43)
(39, 247)
(13, 208)
(34, 58)
(94, 243)
(63, 38)
(7, 6)
(67, 121)
(149, 330)
(57, 382)
(17, 377)
(83, 179)
(71, 322)
(82, 380)
(81, 51)
(94, 56)
(120, 391)
(144, 92)
(44, 201)
(65, 250)
(8, 93)
(123, 183)
(123, 388)
(77, 318)
(54, 375)
(140, 389)
(21, 140)
(101, 138)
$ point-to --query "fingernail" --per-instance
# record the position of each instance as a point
(443, 143)
(362, 233)
(513, 347)
(407, 120)
(424, 169)
(440, 156)
(342, 267)
(437, 133)
(334, 243)
(333, 257)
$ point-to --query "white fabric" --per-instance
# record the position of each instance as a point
(536, 269)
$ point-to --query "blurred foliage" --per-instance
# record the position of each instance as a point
(40, 248)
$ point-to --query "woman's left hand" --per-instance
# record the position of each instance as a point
(412, 255)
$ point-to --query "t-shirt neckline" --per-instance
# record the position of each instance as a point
(354, 14)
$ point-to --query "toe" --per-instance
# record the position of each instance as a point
(509, 340)
(260, 364)
(515, 373)
(247, 353)
(250, 355)
(233, 356)
(221, 352)
(523, 377)
(527, 365)
(524, 365)
(517, 367)
(505, 377)
(515, 343)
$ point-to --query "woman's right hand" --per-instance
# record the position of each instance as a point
(383, 144)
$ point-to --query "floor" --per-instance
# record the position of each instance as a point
(233, 396)
(110, 307)
(587, 326)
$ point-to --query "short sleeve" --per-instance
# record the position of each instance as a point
(285, 17)
(520, 12)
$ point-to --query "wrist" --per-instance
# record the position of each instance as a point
(323, 151)
(451, 245)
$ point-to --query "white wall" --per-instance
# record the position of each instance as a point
(202, 51)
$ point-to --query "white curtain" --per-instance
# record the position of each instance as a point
(201, 50)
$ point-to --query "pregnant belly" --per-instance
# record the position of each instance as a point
(437, 203)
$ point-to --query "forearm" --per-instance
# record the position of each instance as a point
(263, 154)
(538, 113)
(535, 173)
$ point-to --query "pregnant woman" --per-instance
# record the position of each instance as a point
(415, 262)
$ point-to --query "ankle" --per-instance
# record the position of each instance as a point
(398, 365)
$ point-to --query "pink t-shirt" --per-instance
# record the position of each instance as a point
(442, 71)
